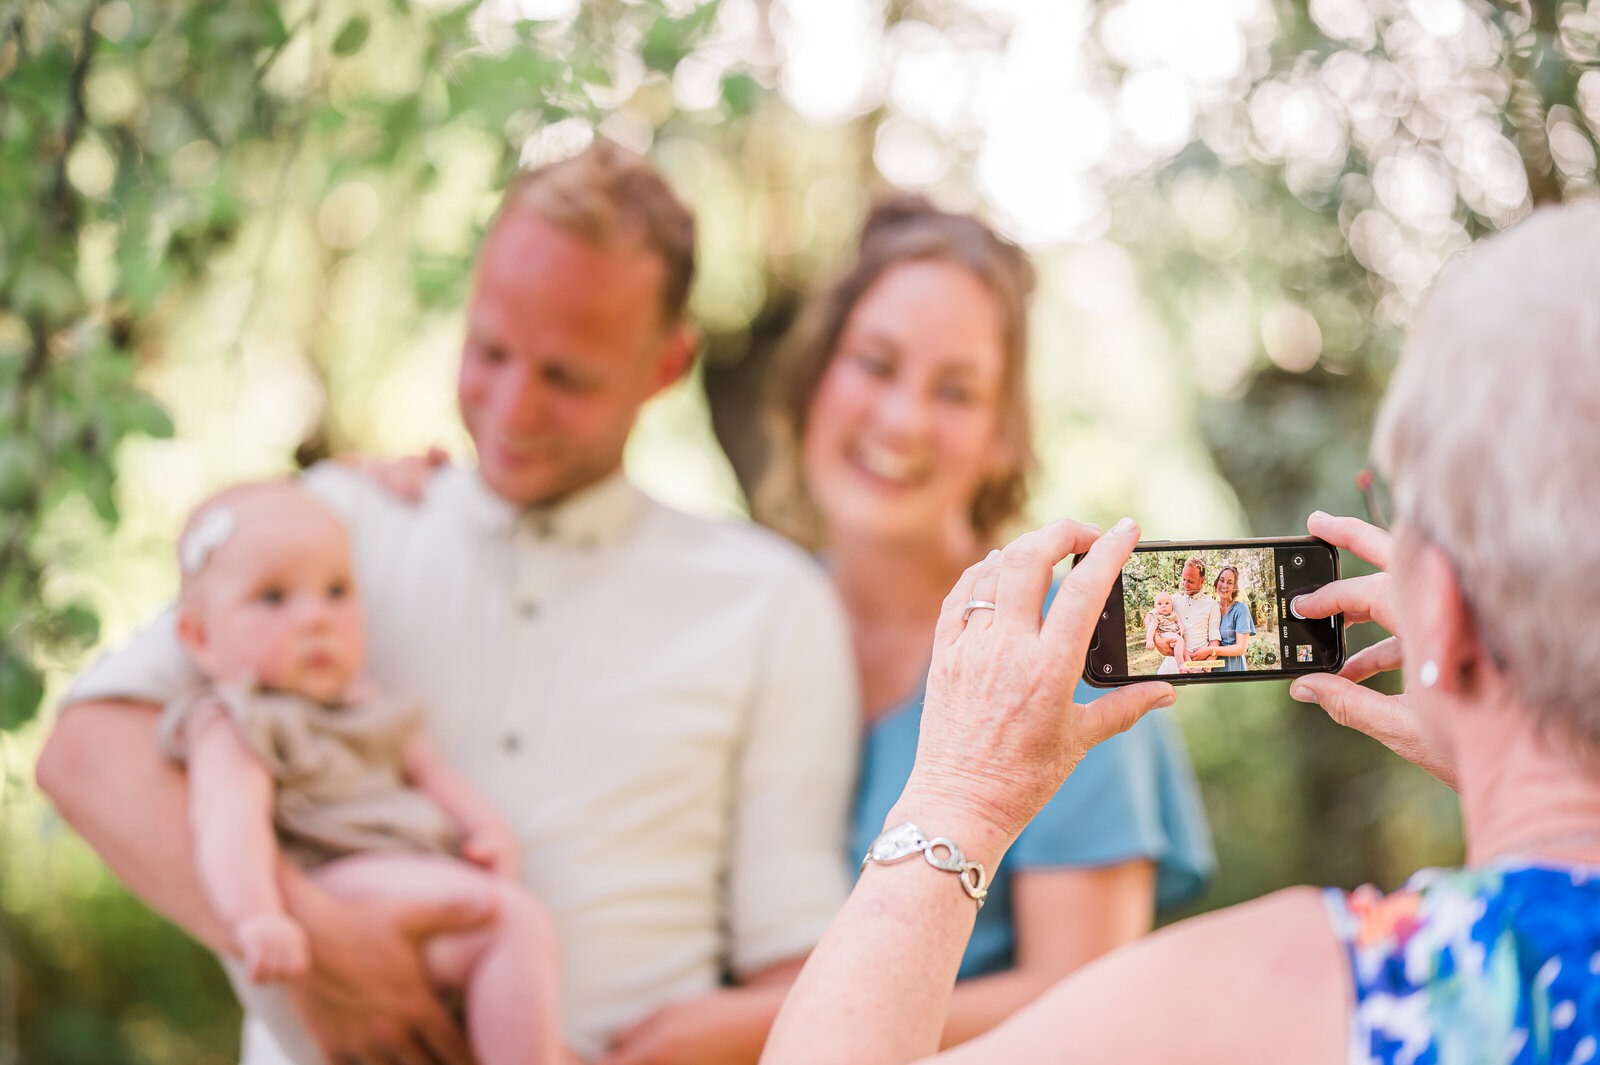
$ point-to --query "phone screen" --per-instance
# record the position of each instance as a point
(1215, 611)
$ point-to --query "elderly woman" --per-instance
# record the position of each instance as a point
(1494, 962)
(1236, 626)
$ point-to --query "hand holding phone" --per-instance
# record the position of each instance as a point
(1216, 610)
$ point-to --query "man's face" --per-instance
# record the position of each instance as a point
(1192, 580)
(564, 343)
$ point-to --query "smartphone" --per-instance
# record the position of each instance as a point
(1164, 619)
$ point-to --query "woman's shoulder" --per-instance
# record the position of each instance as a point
(1503, 955)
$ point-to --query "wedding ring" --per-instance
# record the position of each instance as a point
(975, 604)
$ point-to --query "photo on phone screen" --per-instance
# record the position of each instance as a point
(1216, 610)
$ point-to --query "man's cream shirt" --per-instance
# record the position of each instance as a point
(1201, 617)
(664, 707)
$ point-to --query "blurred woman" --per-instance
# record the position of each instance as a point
(902, 423)
(1499, 961)
(1237, 626)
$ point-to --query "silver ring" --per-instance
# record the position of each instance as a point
(975, 604)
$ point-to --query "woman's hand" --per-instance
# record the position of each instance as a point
(1386, 718)
(1000, 730)
(725, 1027)
(405, 478)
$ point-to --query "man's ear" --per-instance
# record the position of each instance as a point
(675, 356)
(1443, 628)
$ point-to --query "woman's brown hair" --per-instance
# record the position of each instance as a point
(901, 229)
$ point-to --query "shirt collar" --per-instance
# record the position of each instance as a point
(594, 516)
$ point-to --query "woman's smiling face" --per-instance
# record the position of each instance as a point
(904, 427)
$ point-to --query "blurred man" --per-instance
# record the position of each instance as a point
(662, 706)
(1199, 615)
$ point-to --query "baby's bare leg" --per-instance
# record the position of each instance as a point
(509, 972)
(1180, 650)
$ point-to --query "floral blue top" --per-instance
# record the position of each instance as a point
(1499, 964)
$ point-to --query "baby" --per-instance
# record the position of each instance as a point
(288, 747)
(1164, 620)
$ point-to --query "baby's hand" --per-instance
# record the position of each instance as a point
(274, 947)
(494, 848)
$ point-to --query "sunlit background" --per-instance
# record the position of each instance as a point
(263, 217)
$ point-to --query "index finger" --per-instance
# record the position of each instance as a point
(1359, 599)
(1077, 605)
(1361, 539)
(1025, 570)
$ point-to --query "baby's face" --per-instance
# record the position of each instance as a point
(1163, 604)
(277, 600)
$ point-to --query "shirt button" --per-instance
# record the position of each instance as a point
(528, 608)
(511, 743)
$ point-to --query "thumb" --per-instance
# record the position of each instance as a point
(1118, 710)
(422, 919)
(1347, 702)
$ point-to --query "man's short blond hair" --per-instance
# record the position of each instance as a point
(609, 195)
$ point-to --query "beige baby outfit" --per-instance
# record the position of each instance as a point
(340, 789)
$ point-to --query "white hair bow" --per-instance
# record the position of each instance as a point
(211, 533)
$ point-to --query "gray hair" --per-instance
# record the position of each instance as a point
(1490, 435)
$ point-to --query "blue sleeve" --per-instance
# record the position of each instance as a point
(1133, 796)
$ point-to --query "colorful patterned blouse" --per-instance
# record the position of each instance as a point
(1492, 965)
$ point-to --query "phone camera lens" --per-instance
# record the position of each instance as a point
(1106, 668)
(1298, 560)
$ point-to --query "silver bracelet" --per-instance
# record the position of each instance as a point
(906, 839)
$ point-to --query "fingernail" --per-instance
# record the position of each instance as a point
(1166, 701)
(1092, 525)
(1122, 526)
(1319, 514)
(992, 555)
(1301, 692)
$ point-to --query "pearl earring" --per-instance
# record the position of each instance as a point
(1428, 675)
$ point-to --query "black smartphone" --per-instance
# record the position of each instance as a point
(1181, 609)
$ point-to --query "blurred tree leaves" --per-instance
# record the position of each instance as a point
(135, 139)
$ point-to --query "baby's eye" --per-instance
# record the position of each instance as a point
(338, 590)
(272, 596)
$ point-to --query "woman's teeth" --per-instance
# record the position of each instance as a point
(888, 465)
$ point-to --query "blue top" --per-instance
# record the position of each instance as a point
(1235, 621)
(1132, 797)
(1500, 963)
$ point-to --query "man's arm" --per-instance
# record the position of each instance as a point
(102, 770)
(365, 997)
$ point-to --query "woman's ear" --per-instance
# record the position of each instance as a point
(675, 355)
(1442, 628)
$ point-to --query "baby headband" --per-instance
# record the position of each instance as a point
(210, 533)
